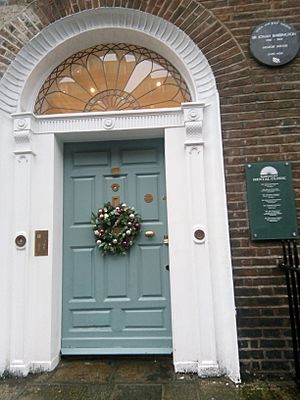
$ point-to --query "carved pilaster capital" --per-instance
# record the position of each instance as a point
(23, 135)
(22, 123)
(193, 120)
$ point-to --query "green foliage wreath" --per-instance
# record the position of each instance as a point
(115, 228)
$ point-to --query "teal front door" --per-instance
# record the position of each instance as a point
(115, 304)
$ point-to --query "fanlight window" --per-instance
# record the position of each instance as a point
(109, 78)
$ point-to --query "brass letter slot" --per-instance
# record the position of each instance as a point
(41, 243)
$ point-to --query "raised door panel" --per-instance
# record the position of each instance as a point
(83, 274)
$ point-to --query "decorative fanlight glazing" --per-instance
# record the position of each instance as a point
(112, 77)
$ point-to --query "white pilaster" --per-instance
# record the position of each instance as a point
(199, 236)
(6, 213)
(20, 265)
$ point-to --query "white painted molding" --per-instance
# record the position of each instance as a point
(39, 366)
(20, 259)
(193, 121)
(201, 263)
(73, 33)
(89, 122)
(190, 367)
(189, 115)
(208, 369)
(23, 136)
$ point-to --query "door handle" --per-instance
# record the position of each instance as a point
(149, 234)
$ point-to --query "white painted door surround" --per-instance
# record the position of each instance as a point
(202, 299)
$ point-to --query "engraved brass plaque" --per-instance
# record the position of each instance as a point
(115, 201)
(115, 171)
(41, 243)
(148, 198)
(115, 187)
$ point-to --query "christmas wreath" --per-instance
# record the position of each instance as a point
(115, 228)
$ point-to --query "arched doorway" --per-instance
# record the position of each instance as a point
(114, 305)
(202, 299)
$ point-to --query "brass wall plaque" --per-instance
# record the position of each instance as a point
(115, 201)
(115, 187)
(41, 243)
(148, 198)
(115, 171)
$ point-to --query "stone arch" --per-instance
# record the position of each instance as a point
(226, 58)
(76, 32)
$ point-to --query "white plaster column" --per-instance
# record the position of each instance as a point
(6, 213)
(199, 237)
(19, 361)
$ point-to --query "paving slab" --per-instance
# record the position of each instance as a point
(218, 389)
(264, 391)
(9, 391)
(98, 392)
(91, 371)
(143, 370)
(137, 392)
(136, 378)
(180, 391)
(53, 392)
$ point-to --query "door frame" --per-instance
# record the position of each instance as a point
(193, 180)
(195, 189)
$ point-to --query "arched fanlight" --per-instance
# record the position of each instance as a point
(111, 77)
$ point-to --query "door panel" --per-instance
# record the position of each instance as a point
(82, 274)
(115, 304)
(83, 194)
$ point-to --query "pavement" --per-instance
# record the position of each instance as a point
(136, 378)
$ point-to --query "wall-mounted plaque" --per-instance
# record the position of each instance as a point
(274, 43)
(271, 201)
(41, 243)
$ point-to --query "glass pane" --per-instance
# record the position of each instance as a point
(111, 77)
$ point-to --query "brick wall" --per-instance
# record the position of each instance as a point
(260, 121)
